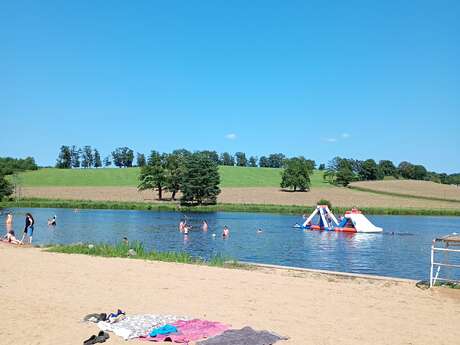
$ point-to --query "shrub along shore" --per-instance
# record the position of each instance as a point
(136, 250)
(169, 206)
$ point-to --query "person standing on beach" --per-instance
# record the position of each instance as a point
(29, 228)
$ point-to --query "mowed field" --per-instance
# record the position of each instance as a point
(115, 177)
(420, 189)
(240, 185)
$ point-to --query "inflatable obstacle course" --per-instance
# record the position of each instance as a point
(352, 221)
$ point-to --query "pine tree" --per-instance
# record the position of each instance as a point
(153, 175)
(64, 160)
(97, 159)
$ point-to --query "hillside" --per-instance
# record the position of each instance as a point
(114, 177)
(410, 188)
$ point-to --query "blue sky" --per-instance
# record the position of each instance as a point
(358, 79)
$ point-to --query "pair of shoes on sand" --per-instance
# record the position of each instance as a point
(94, 339)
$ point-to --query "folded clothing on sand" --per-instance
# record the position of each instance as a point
(243, 336)
(164, 330)
(135, 326)
(191, 330)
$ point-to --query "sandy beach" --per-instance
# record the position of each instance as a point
(45, 295)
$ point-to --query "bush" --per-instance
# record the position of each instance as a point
(325, 202)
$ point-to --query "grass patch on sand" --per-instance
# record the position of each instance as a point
(128, 177)
(136, 250)
(262, 208)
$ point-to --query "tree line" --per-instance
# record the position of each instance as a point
(9, 166)
(343, 171)
(195, 175)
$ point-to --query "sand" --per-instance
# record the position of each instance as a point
(45, 295)
(254, 195)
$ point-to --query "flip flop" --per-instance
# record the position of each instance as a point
(102, 337)
(90, 341)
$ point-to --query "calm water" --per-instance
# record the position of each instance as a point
(406, 253)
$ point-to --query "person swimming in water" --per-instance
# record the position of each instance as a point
(52, 221)
(225, 231)
(259, 230)
(204, 226)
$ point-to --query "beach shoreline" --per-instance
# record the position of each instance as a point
(54, 291)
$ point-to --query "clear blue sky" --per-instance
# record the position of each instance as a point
(360, 79)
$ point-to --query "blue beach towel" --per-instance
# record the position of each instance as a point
(166, 329)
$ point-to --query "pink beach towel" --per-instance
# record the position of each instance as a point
(191, 330)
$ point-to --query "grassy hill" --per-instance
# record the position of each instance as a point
(114, 177)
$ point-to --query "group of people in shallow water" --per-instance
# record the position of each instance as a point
(10, 236)
(184, 228)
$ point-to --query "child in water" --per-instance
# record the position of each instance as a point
(204, 227)
(225, 232)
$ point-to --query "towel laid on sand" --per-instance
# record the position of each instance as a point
(191, 330)
(243, 336)
(135, 326)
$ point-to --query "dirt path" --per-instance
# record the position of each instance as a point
(256, 195)
(45, 296)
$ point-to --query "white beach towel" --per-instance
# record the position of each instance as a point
(135, 326)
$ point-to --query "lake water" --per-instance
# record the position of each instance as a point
(403, 250)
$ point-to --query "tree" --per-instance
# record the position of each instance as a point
(420, 172)
(140, 159)
(64, 160)
(201, 180)
(227, 159)
(6, 189)
(276, 160)
(387, 168)
(153, 175)
(75, 156)
(123, 157)
(175, 168)
(344, 174)
(107, 161)
(322, 166)
(9, 165)
(97, 159)
(212, 155)
(368, 170)
(263, 162)
(87, 159)
(253, 161)
(241, 160)
(297, 174)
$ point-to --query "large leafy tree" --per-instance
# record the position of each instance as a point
(253, 161)
(9, 165)
(6, 189)
(264, 162)
(175, 167)
(153, 175)
(344, 173)
(276, 160)
(296, 174)
(64, 160)
(123, 157)
(387, 168)
(201, 180)
(368, 170)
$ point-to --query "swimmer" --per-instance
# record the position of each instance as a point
(52, 221)
(204, 226)
(182, 225)
(185, 231)
(225, 232)
(125, 240)
(259, 230)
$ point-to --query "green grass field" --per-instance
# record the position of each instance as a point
(114, 177)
